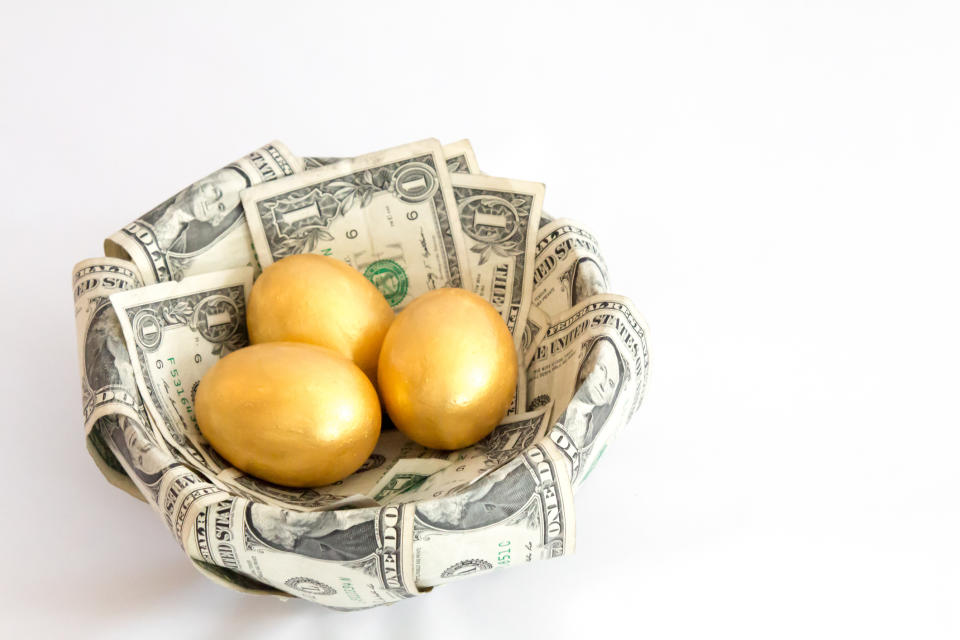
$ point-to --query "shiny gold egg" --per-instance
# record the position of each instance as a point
(323, 301)
(448, 369)
(291, 413)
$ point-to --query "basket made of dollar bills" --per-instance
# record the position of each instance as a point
(169, 300)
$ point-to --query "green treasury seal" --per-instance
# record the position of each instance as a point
(390, 278)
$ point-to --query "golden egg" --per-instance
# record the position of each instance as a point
(322, 301)
(291, 413)
(448, 369)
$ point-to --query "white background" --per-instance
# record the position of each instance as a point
(774, 184)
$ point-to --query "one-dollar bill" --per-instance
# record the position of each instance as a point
(389, 214)
(344, 559)
(176, 331)
(108, 383)
(202, 228)
(519, 513)
(107, 378)
(499, 219)
(592, 364)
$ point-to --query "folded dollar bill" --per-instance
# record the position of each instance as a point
(202, 228)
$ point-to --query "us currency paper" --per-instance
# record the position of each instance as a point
(108, 385)
(236, 581)
(414, 482)
(512, 436)
(144, 460)
(315, 162)
(108, 464)
(202, 228)
(175, 332)
(592, 364)
(406, 476)
(346, 559)
(175, 492)
(167, 485)
(519, 513)
(390, 214)
(106, 375)
(460, 157)
(536, 324)
(568, 268)
(499, 219)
